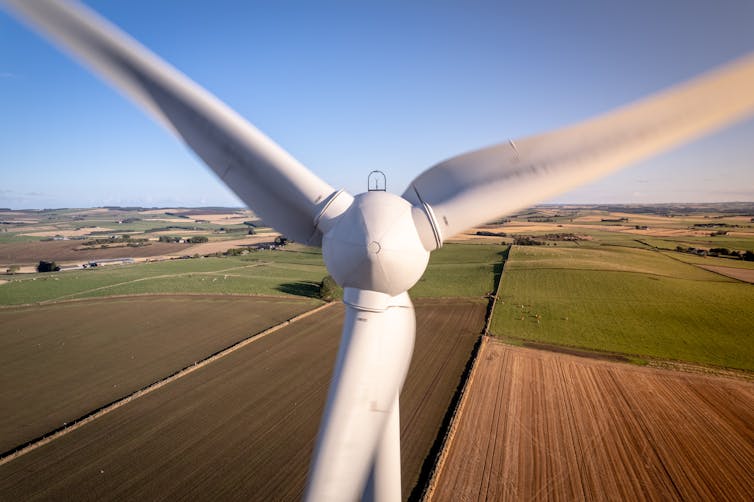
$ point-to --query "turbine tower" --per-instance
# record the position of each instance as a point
(376, 244)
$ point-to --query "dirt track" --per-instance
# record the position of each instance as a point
(544, 426)
(243, 428)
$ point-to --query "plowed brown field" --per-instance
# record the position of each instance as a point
(60, 361)
(28, 253)
(742, 274)
(243, 427)
(538, 425)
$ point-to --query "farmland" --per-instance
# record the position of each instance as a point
(244, 426)
(544, 426)
(456, 270)
(59, 361)
(264, 272)
(636, 302)
(65, 235)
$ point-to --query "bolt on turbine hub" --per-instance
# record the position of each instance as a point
(374, 245)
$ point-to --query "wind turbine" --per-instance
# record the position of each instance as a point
(376, 244)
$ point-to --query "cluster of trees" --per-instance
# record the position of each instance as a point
(728, 253)
(491, 234)
(565, 236)
(117, 239)
(196, 239)
(48, 266)
(715, 225)
(527, 240)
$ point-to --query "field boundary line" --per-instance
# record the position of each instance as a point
(496, 294)
(33, 444)
(464, 391)
(139, 295)
(448, 443)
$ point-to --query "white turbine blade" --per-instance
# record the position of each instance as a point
(477, 187)
(277, 187)
(374, 355)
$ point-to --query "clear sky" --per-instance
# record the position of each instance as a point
(348, 87)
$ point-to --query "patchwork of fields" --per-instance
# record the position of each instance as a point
(538, 425)
(244, 426)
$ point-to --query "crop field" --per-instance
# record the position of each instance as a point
(25, 236)
(31, 252)
(457, 270)
(60, 361)
(263, 272)
(636, 302)
(539, 425)
(243, 427)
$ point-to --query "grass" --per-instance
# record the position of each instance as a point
(9, 237)
(457, 270)
(724, 241)
(717, 261)
(270, 272)
(630, 301)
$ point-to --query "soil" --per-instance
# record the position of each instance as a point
(60, 361)
(547, 426)
(742, 274)
(27, 253)
(243, 427)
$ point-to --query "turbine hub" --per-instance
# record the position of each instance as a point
(374, 245)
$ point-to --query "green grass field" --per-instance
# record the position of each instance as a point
(264, 272)
(710, 260)
(630, 301)
(460, 270)
(455, 270)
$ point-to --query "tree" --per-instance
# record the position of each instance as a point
(198, 239)
(47, 266)
(328, 289)
(749, 256)
(12, 269)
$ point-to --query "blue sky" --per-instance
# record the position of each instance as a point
(351, 87)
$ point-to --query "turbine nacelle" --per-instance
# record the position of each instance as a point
(374, 245)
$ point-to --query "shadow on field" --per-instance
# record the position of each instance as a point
(302, 288)
(497, 268)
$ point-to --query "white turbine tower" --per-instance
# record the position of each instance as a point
(376, 245)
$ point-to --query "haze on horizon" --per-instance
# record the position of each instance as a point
(351, 88)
